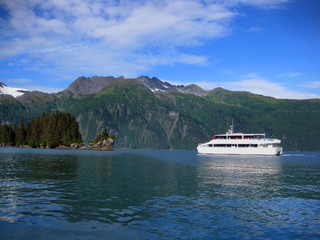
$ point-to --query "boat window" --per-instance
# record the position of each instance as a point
(247, 145)
(222, 145)
(243, 145)
(235, 137)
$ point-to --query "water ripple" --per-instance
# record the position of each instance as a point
(158, 195)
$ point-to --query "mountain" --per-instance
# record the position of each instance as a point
(154, 84)
(192, 89)
(147, 113)
(15, 92)
(85, 85)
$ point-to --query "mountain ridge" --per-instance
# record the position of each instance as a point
(85, 85)
(144, 116)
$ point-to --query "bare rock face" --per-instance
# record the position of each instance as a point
(84, 85)
(77, 146)
(105, 145)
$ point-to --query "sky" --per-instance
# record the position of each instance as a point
(268, 47)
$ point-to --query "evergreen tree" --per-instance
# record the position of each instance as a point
(7, 135)
(45, 130)
(33, 133)
(20, 133)
(103, 136)
(55, 129)
(49, 130)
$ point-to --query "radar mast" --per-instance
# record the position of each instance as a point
(231, 128)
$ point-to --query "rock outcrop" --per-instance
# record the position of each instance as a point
(85, 85)
(105, 145)
(77, 146)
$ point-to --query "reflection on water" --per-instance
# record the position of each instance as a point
(106, 188)
(28, 185)
(243, 177)
(157, 194)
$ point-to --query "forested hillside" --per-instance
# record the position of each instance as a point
(50, 130)
(175, 118)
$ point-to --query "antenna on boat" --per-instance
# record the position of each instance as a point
(231, 128)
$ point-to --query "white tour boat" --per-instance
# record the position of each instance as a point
(240, 143)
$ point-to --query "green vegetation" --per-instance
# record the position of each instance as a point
(50, 130)
(103, 136)
(142, 119)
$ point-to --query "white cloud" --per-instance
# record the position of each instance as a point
(44, 89)
(253, 83)
(126, 24)
(17, 81)
(254, 30)
(290, 74)
(112, 36)
(257, 85)
(258, 3)
(314, 84)
(265, 87)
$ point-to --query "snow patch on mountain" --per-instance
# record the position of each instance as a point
(15, 92)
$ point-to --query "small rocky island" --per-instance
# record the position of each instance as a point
(102, 142)
(52, 130)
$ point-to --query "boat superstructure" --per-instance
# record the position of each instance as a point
(241, 143)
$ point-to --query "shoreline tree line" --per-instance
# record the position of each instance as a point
(50, 130)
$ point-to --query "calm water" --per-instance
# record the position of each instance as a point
(70, 194)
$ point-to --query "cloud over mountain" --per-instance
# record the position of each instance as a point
(117, 37)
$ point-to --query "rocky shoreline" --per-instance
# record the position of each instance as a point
(104, 145)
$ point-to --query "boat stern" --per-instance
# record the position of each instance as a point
(279, 151)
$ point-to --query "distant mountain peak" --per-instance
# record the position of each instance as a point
(193, 89)
(86, 85)
(15, 92)
(155, 84)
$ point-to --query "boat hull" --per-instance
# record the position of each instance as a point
(272, 151)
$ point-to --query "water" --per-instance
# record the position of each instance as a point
(74, 194)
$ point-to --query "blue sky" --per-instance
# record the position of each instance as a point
(268, 47)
